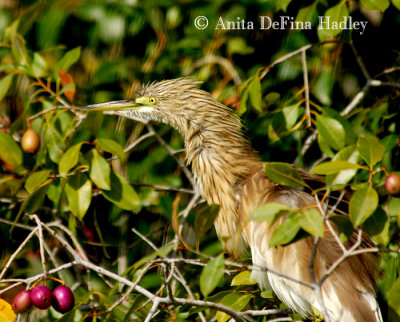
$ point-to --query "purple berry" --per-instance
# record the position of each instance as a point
(41, 297)
(63, 299)
(22, 302)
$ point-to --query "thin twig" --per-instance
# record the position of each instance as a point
(41, 241)
(14, 255)
(212, 59)
(306, 89)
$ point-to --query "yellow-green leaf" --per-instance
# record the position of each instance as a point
(5, 84)
(378, 226)
(336, 15)
(205, 216)
(332, 131)
(332, 167)
(255, 93)
(69, 159)
(396, 3)
(375, 5)
(371, 150)
(243, 278)
(212, 274)
(70, 58)
(283, 174)
(268, 211)
(99, 170)
(393, 296)
(79, 194)
(285, 232)
(36, 179)
(348, 154)
(111, 146)
(362, 205)
(236, 301)
(34, 201)
(311, 221)
(122, 194)
(10, 151)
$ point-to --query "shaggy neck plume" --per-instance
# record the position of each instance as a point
(222, 159)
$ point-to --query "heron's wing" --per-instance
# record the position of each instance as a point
(347, 292)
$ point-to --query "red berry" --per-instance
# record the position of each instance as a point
(41, 297)
(392, 185)
(22, 302)
(63, 299)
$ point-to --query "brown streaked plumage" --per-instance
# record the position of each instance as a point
(228, 172)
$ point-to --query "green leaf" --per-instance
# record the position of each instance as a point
(268, 211)
(370, 150)
(282, 5)
(255, 93)
(311, 221)
(323, 85)
(39, 66)
(235, 301)
(244, 95)
(18, 48)
(286, 231)
(34, 201)
(205, 216)
(336, 15)
(307, 13)
(396, 3)
(348, 154)
(238, 45)
(122, 194)
(243, 101)
(283, 174)
(332, 167)
(161, 252)
(112, 147)
(393, 296)
(324, 146)
(362, 205)
(212, 274)
(70, 58)
(5, 84)
(99, 170)
(94, 122)
(79, 194)
(54, 142)
(344, 225)
(10, 151)
(291, 113)
(378, 226)
(375, 5)
(36, 179)
(332, 131)
(243, 278)
(69, 159)
(393, 207)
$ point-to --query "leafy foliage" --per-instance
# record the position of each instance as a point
(108, 195)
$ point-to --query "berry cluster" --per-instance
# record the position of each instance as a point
(62, 299)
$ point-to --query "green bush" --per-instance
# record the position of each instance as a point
(105, 204)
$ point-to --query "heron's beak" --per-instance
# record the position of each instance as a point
(129, 104)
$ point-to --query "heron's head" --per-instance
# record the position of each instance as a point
(172, 101)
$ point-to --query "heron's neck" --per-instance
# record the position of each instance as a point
(222, 160)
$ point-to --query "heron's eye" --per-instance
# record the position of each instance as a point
(152, 100)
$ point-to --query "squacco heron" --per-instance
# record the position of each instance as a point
(229, 173)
